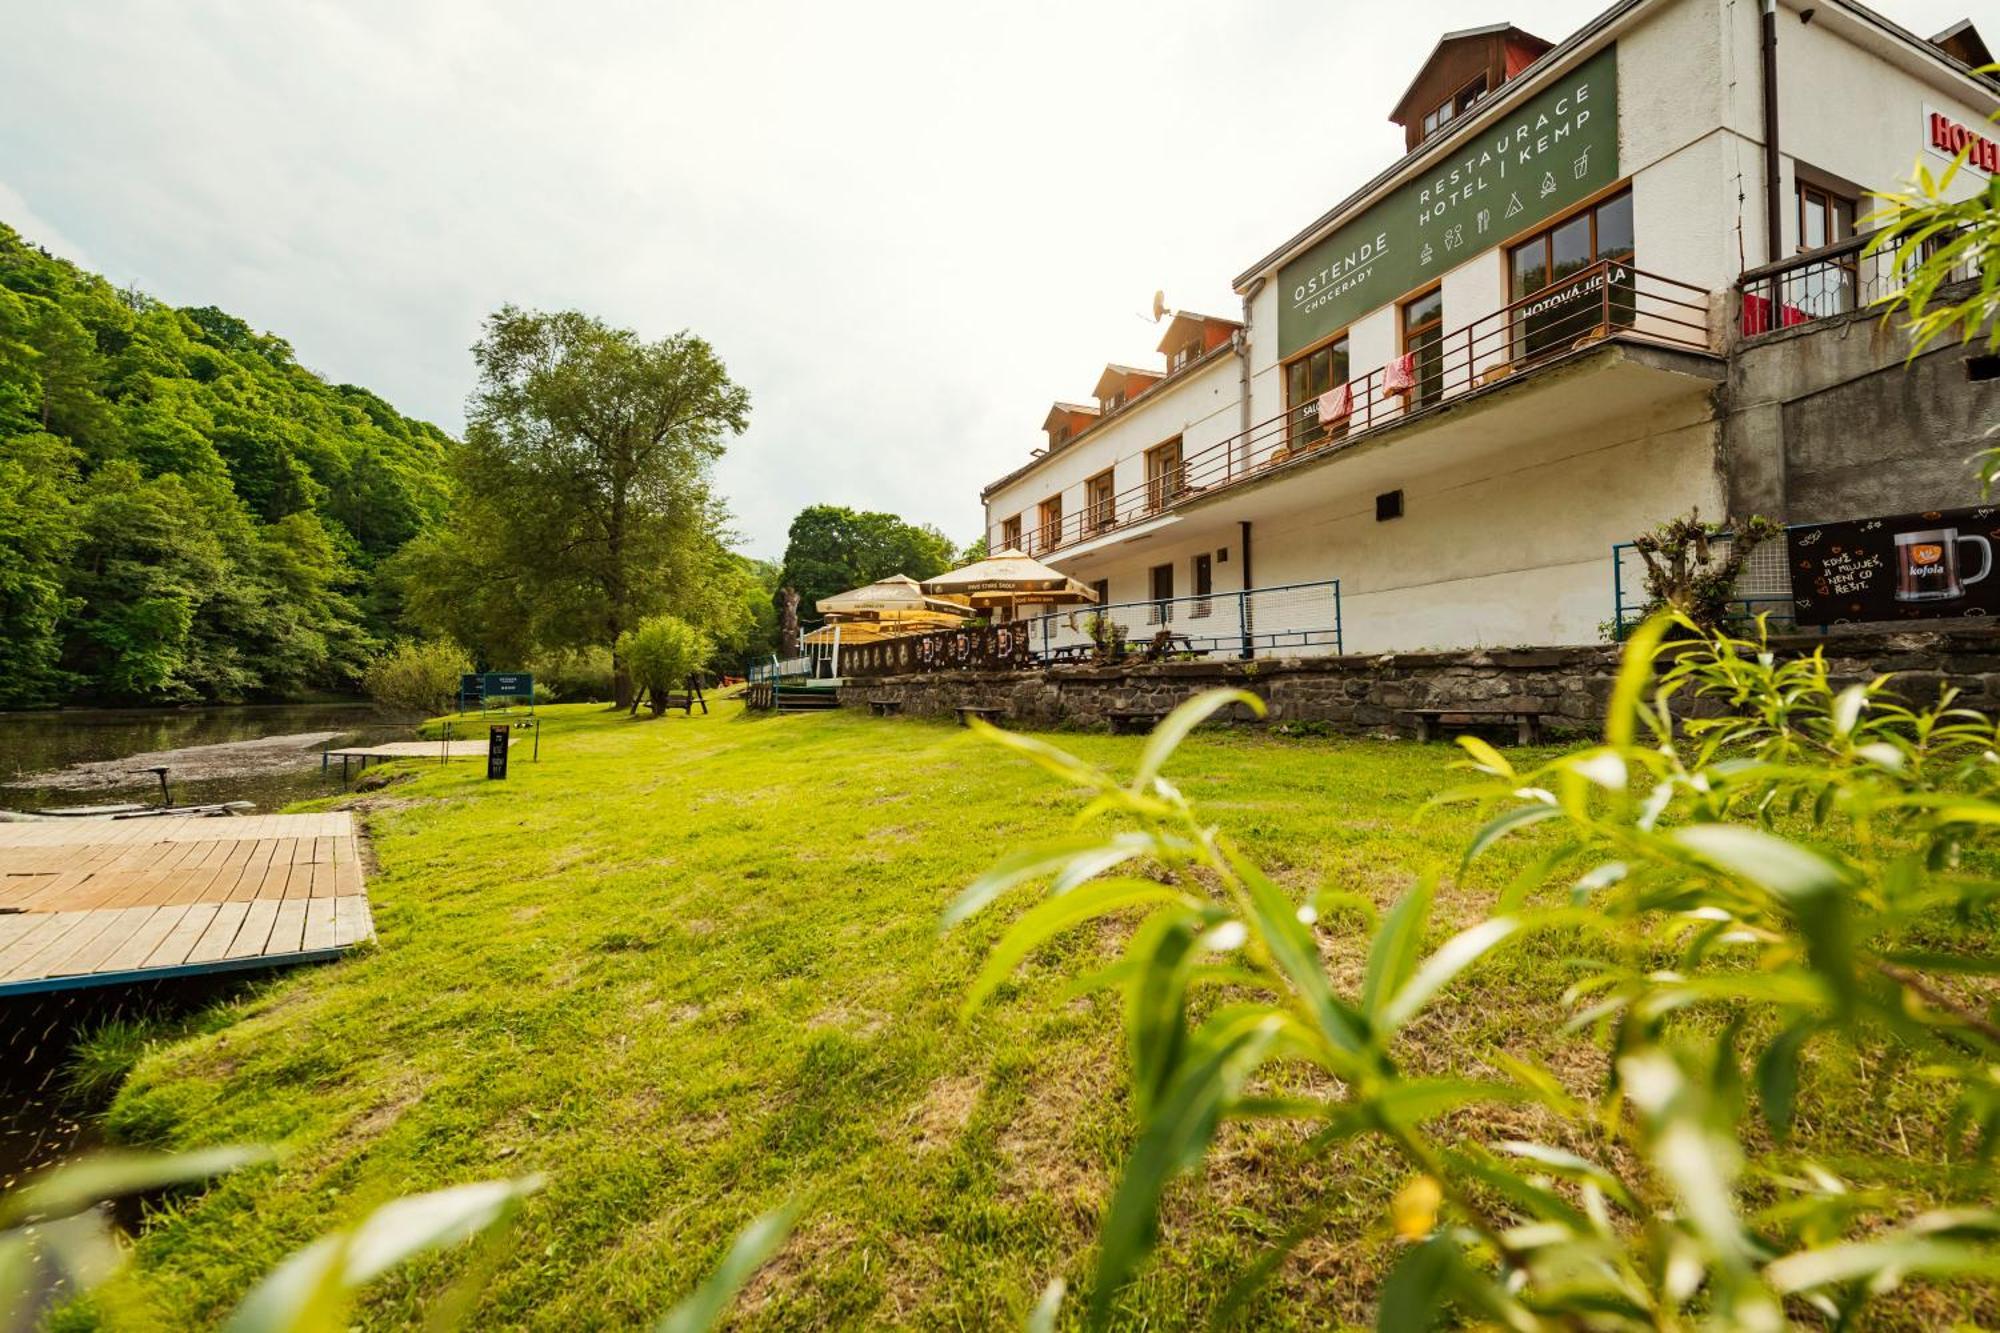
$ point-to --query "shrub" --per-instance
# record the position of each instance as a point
(1802, 875)
(661, 654)
(420, 677)
(1685, 576)
(581, 675)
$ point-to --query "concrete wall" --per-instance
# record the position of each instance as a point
(1831, 421)
(1366, 695)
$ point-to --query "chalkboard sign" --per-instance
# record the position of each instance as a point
(496, 752)
(1899, 567)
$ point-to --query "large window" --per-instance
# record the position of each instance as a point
(1166, 477)
(1545, 267)
(1100, 503)
(1050, 529)
(1305, 380)
(1825, 218)
(1010, 533)
(1423, 341)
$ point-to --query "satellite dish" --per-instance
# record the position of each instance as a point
(1159, 306)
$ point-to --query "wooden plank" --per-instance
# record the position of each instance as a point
(48, 927)
(319, 929)
(255, 933)
(120, 924)
(179, 942)
(220, 933)
(289, 928)
(139, 946)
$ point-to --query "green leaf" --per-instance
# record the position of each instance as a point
(1850, 1262)
(1176, 1133)
(1507, 821)
(1486, 757)
(1054, 858)
(101, 1176)
(1634, 670)
(1292, 947)
(1393, 955)
(751, 1250)
(1812, 887)
(1453, 956)
(313, 1288)
(1052, 916)
(1156, 1003)
(1052, 758)
(1404, 1103)
(1778, 1077)
(1042, 1319)
(1175, 726)
(1412, 1296)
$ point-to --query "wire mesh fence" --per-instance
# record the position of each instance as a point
(1763, 586)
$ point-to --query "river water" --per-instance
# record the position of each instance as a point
(265, 754)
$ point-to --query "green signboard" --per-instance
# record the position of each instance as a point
(1560, 147)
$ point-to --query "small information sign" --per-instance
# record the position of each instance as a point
(496, 751)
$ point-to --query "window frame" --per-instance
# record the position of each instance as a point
(1100, 510)
(1201, 583)
(1163, 489)
(1429, 365)
(1048, 523)
(1544, 232)
(1297, 434)
(1010, 533)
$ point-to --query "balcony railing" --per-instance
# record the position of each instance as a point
(1836, 279)
(1606, 299)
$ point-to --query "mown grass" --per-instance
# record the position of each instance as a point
(690, 968)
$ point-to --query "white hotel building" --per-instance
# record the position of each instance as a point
(1537, 313)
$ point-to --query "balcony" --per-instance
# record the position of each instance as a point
(1606, 302)
(1833, 280)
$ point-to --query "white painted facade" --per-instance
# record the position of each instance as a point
(1513, 500)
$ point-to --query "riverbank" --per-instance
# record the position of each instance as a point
(690, 968)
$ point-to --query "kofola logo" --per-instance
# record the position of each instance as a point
(1342, 274)
(1947, 138)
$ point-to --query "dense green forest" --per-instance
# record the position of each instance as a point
(186, 512)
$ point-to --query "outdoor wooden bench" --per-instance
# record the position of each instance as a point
(984, 712)
(1431, 722)
(885, 707)
(1134, 721)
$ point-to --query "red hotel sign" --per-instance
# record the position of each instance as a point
(1944, 135)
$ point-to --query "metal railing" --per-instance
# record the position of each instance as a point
(1606, 299)
(1763, 586)
(1294, 619)
(1836, 279)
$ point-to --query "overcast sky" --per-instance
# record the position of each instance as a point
(906, 227)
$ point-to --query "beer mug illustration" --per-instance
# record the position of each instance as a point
(1927, 564)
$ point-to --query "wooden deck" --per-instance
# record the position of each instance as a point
(97, 901)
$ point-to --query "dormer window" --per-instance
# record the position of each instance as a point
(1454, 106)
(1060, 435)
(1112, 403)
(1183, 357)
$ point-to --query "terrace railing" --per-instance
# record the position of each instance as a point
(1606, 299)
(1295, 619)
(1836, 279)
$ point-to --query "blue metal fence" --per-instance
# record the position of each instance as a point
(1291, 620)
(1764, 587)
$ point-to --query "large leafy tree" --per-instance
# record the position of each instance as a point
(185, 511)
(586, 501)
(832, 548)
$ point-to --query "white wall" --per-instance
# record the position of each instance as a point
(1200, 406)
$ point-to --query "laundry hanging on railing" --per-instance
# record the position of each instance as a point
(1336, 404)
(1400, 375)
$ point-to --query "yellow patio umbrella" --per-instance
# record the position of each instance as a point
(898, 597)
(1009, 576)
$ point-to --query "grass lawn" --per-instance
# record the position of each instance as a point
(690, 968)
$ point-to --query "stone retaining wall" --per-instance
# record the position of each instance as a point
(1366, 695)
